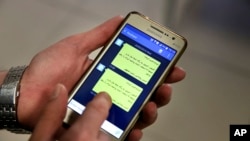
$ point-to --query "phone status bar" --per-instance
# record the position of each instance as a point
(149, 42)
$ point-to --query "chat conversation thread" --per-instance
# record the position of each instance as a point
(122, 91)
(136, 63)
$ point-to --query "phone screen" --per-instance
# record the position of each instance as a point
(128, 71)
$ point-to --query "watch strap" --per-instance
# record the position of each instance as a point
(8, 100)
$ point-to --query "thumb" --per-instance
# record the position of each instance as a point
(97, 37)
(52, 116)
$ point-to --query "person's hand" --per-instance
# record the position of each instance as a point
(87, 126)
(160, 98)
(65, 62)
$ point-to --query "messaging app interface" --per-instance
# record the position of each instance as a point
(127, 72)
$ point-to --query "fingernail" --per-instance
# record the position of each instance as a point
(56, 92)
(121, 16)
(104, 98)
(181, 68)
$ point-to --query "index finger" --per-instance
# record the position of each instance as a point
(176, 75)
(88, 125)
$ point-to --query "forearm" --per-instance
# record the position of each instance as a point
(2, 76)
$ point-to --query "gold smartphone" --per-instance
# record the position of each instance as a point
(129, 68)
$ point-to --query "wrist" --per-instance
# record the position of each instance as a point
(2, 76)
(31, 99)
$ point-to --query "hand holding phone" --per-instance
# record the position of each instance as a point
(129, 68)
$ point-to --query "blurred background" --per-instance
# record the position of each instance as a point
(216, 91)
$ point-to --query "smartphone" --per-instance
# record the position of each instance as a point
(129, 68)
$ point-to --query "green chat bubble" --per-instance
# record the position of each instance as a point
(122, 91)
(136, 63)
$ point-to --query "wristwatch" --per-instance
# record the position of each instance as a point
(9, 92)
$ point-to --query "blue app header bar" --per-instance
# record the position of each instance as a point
(149, 42)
